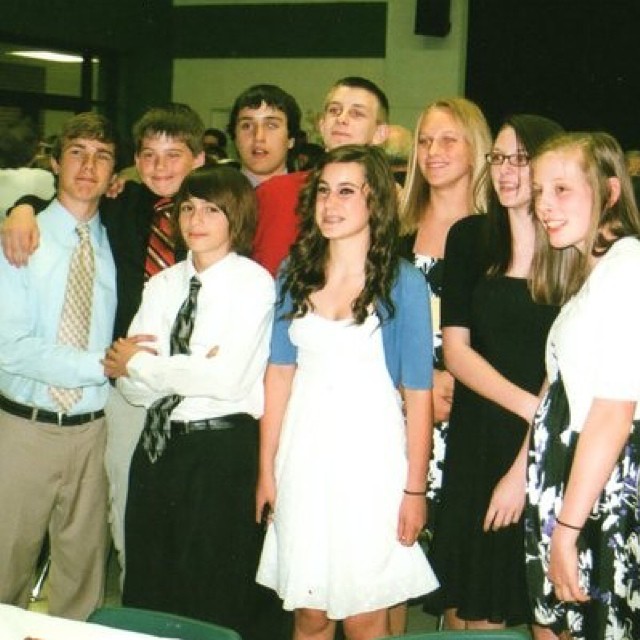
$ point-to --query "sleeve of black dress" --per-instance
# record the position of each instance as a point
(38, 204)
(461, 271)
(405, 246)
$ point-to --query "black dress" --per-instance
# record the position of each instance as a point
(483, 574)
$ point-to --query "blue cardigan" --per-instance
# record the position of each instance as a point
(407, 338)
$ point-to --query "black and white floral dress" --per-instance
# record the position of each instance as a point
(593, 351)
(432, 268)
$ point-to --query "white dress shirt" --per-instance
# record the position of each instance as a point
(234, 315)
(595, 342)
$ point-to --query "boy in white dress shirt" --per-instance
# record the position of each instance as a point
(190, 538)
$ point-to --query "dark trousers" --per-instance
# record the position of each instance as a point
(192, 545)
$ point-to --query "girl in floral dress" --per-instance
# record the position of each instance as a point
(582, 525)
(451, 139)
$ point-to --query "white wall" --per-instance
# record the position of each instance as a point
(416, 71)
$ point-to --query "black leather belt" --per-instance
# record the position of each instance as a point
(48, 417)
(184, 427)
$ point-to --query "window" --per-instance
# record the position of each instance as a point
(47, 85)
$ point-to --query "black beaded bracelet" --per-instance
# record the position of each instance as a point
(414, 493)
(567, 525)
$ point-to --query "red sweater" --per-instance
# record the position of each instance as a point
(277, 220)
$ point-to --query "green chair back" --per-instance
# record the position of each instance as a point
(165, 625)
(471, 634)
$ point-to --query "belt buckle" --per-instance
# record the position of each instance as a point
(60, 416)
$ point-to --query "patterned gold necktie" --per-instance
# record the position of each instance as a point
(75, 320)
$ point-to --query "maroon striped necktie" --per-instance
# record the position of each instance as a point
(160, 250)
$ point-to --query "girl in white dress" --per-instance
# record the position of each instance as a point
(341, 477)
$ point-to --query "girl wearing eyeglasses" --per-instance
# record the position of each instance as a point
(493, 339)
(342, 478)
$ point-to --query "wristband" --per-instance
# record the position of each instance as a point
(414, 493)
(567, 525)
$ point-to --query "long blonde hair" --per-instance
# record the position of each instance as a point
(600, 157)
(416, 193)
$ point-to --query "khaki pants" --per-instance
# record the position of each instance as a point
(124, 426)
(52, 479)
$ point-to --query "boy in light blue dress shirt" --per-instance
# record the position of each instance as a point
(52, 450)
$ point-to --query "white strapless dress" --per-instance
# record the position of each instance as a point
(340, 471)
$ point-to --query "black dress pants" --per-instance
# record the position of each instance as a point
(192, 544)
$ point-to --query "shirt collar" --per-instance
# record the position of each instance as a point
(255, 180)
(213, 272)
(65, 223)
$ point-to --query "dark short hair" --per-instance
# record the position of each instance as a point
(18, 144)
(176, 120)
(89, 125)
(357, 82)
(272, 96)
(232, 192)
(218, 133)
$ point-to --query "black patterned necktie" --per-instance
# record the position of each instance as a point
(157, 426)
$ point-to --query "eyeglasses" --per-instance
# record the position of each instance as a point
(519, 159)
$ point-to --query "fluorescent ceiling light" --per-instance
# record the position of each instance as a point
(49, 56)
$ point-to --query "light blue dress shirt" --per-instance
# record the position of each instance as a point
(32, 299)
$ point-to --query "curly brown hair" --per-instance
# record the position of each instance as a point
(305, 270)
